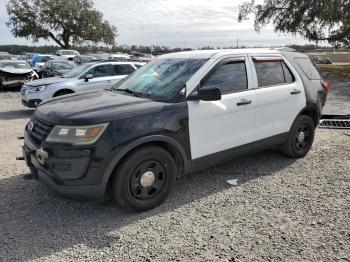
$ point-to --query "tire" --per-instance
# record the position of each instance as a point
(62, 93)
(300, 138)
(33, 170)
(144, 179)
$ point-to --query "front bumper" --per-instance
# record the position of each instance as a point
(66, 173)
(31, 103)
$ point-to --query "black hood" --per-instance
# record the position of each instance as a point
(94, 107)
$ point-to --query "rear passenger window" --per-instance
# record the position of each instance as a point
(271, 73)
(308, 68)
(123, 69)
(229, 77)
(287, 74)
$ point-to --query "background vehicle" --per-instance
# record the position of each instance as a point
(6, 57)
(38, 63)
(120, 56)
(83, 59)
(29, 57)
(87, 77)
(180, 113)
(67, 54)
(14, 73)
(141, 57)
(57, 67)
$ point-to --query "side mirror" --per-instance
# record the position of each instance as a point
(88, 77)
(206, 94)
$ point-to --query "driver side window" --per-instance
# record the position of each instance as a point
(100, 71)
(229, 77)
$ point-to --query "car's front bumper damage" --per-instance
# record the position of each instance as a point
(65, 173)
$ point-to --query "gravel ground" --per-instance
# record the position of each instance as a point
(282, 210)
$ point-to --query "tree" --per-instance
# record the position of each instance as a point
(315, 20)
(67, 22)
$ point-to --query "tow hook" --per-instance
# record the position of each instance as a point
(41, 155)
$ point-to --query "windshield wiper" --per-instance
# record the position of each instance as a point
(129, 91)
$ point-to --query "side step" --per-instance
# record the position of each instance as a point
(335, 121)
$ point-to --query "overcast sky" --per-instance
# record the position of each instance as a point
(183, 23)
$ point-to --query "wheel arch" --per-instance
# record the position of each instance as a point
(167, 143)
(71, 91)
(311, 111)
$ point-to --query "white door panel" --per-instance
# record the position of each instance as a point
(276, 109)
(97, 83)
(219, 125)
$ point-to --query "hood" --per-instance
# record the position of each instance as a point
(47, 81)
(95, 107)
(16, 71)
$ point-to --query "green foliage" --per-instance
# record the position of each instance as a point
(316, 20)
(66, 22)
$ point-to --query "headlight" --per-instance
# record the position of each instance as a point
(35, 89)
(76, 135)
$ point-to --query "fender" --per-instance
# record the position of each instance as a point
(312, 107)
(126, 149)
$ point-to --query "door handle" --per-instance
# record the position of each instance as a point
(109, 81)
(295, 92)
(244, 102)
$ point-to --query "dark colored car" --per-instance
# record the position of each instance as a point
(54, 68)
(179, 113)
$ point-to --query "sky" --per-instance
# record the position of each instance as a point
(174, 23)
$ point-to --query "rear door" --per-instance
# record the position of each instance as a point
(120, 71)
(279, 95)
(216, 126)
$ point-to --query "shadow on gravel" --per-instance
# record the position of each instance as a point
(16, 114)
(35, 224)
(10, 89)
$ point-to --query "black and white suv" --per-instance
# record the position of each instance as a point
(180, 113)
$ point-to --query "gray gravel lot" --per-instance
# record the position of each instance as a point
(282, 210)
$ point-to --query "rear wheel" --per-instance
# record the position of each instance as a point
(300, 138)
(144, 179)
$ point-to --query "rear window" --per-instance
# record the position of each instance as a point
(270, 73)
(309, 69)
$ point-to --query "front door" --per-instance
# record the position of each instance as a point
(216, 126)
(102, 78)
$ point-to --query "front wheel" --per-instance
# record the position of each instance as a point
(144, 179)
(300, 137)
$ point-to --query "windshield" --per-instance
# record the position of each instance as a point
(15, 65)
(161, 79)
(76, 71)
(62, 65)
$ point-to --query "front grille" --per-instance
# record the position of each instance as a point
(40, 130)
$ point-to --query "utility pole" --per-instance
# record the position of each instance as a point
(237, 42)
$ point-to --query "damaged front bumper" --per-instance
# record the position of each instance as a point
(66, 173)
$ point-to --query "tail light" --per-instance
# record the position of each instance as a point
(327, 86)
